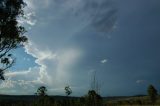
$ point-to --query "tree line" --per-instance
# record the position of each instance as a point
(12, 37)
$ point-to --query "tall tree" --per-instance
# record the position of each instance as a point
(152, 93)
(11, 33)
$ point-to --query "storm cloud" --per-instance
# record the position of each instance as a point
(71, 39)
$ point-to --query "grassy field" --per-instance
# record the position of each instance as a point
(9, 100)
(136, 100)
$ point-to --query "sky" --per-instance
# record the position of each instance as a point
(70, 40)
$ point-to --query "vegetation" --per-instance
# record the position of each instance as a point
(68, 90)
(152, 93)
(11, 37)
(74, 101)
(131, 101)
(41, 91)
(92, 98)
(11, 33)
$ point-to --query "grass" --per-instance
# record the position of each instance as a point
(6, 100)
(130, 101)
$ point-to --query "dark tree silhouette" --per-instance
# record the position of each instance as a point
(93, 99)
(11, 33)
(68, 90)
(95, 85)
(41, 91)
(152, 93)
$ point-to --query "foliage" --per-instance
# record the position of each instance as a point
(11, 33)
(95, 85)
(70, 101)
(41, 91)
(12, 37)
(152, 93)
(68, 90)
(131, 101)
(93, 99)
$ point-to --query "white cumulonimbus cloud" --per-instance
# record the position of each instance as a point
(54, 23)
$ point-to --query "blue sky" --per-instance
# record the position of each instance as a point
(69, 40)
